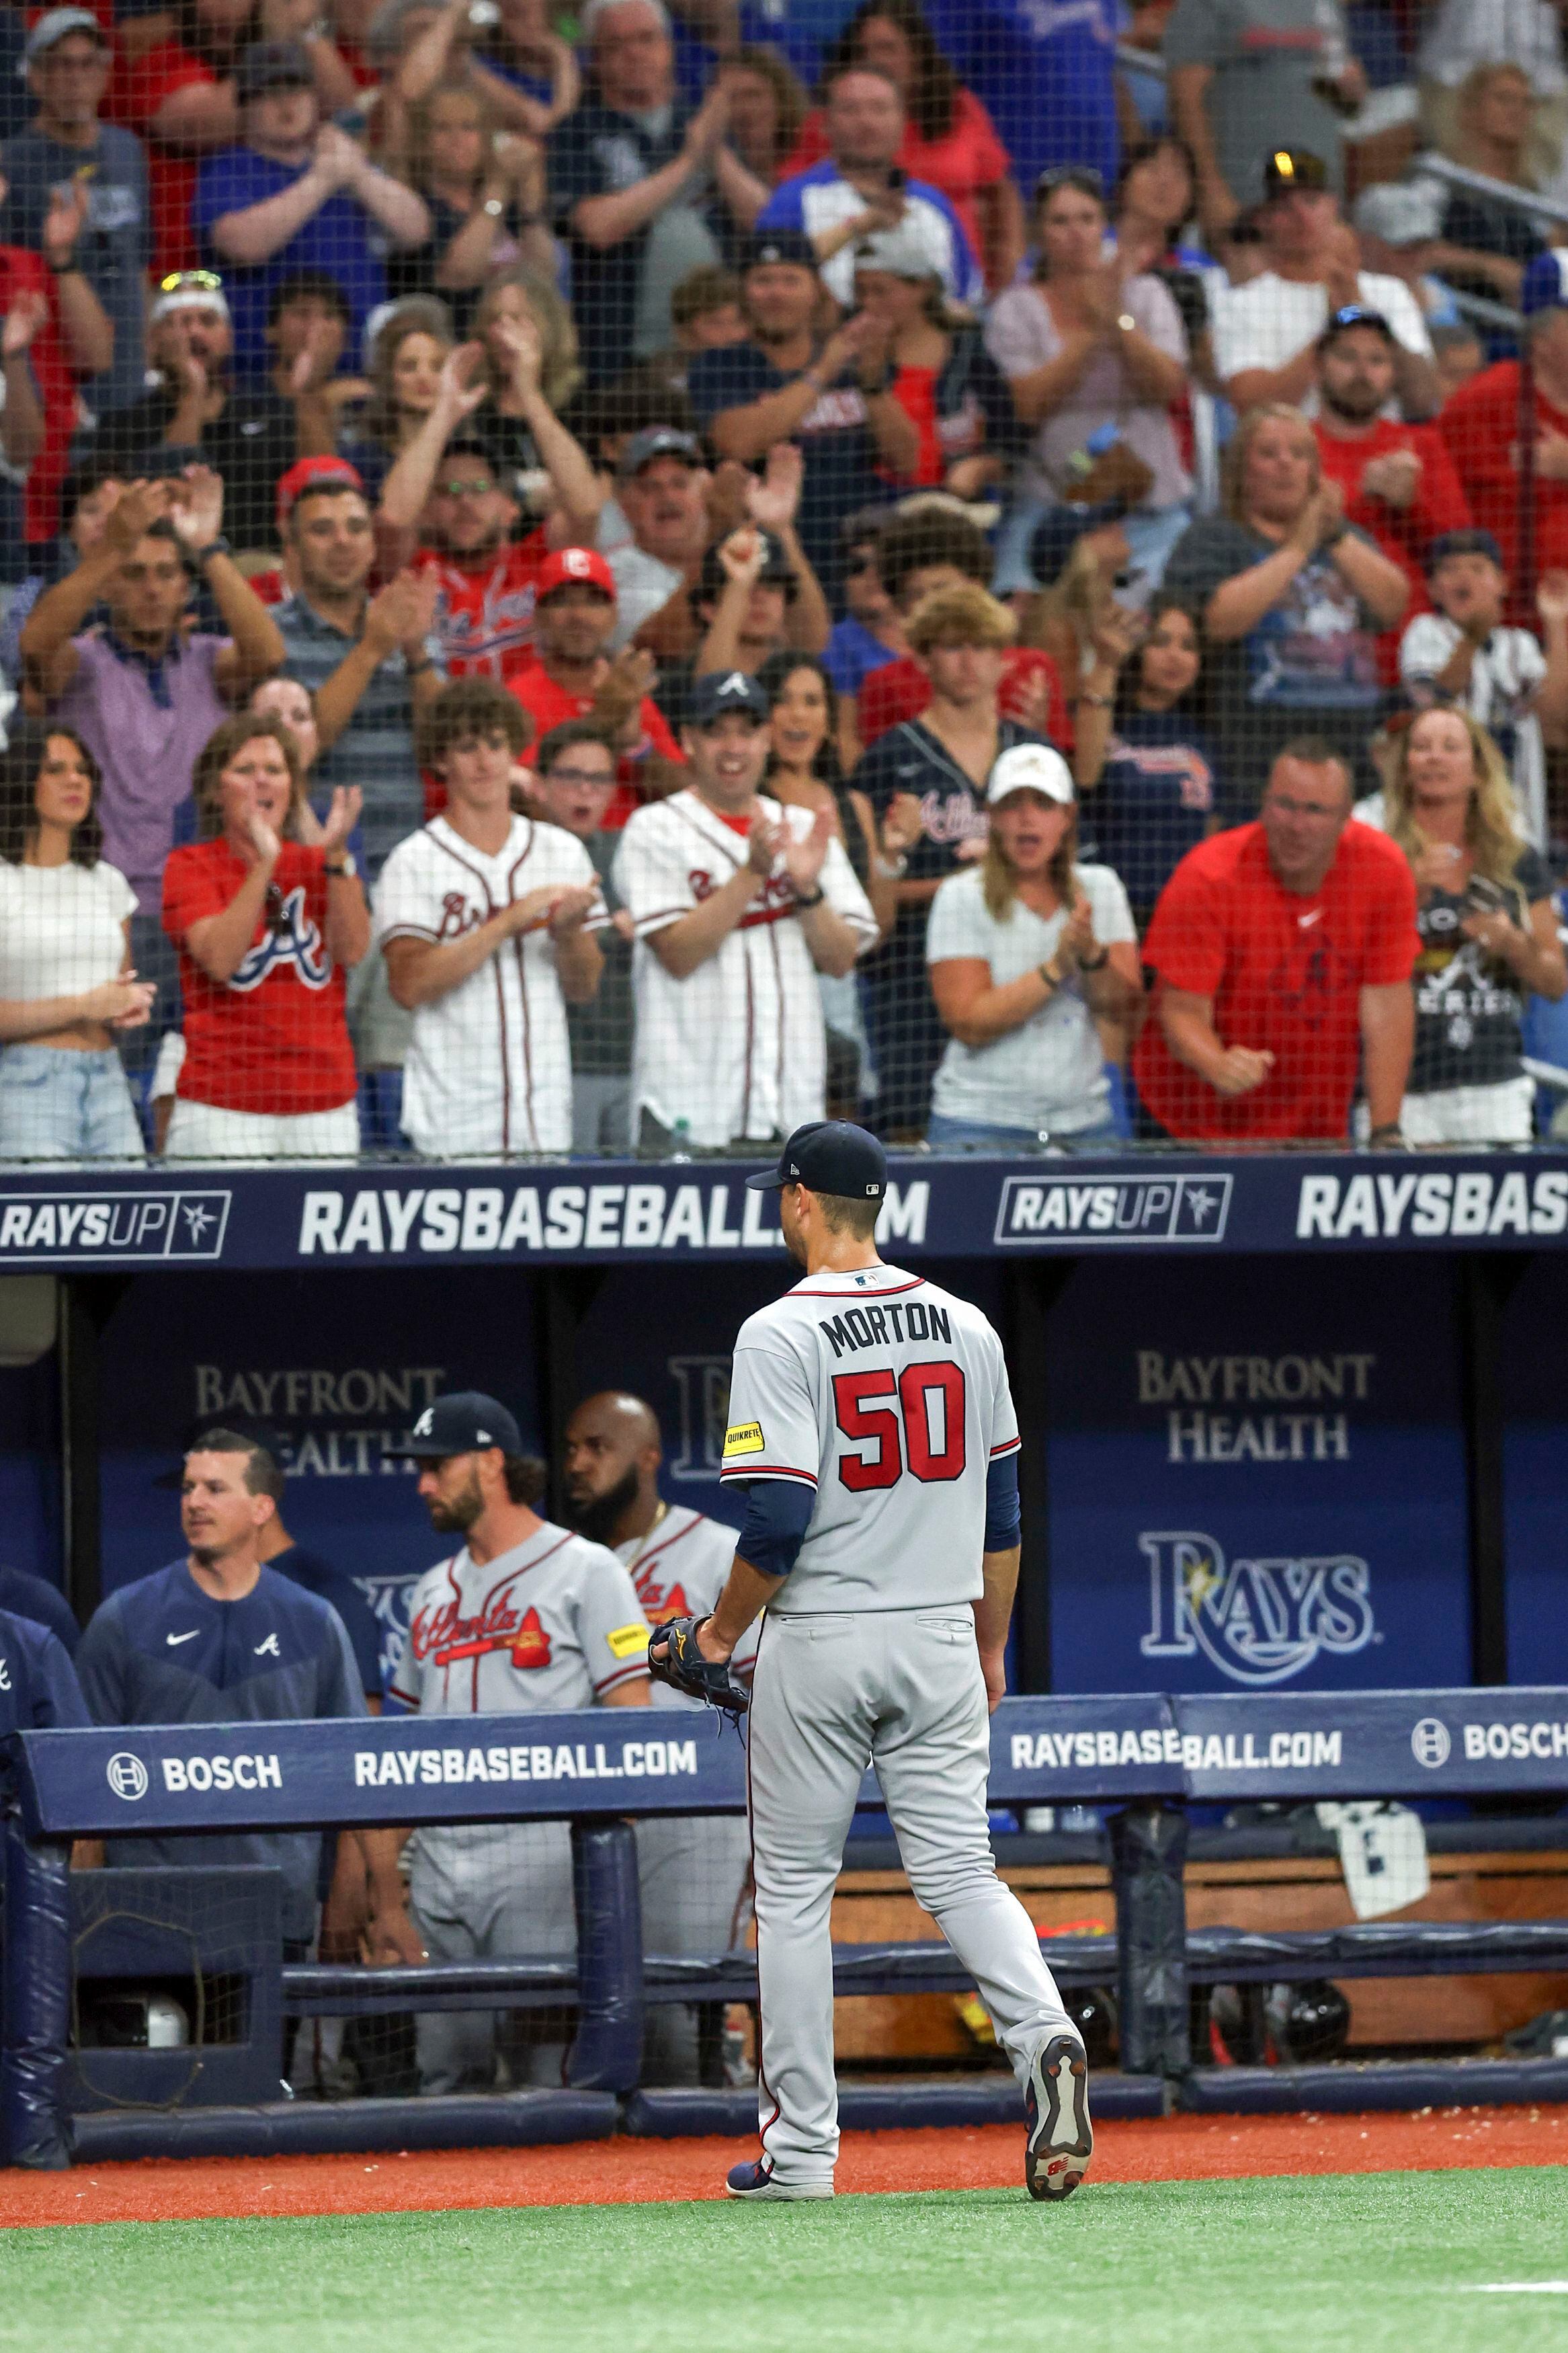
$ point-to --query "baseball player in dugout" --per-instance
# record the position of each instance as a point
(693, 1871)
(522, 1619)
(872, 1428)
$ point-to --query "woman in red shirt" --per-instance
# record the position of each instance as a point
(950, 141)
(266, 922)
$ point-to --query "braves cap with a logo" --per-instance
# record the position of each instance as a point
(464, 1423)
(575, 567)
(718, 692)
(314, 474)
(829, 1156)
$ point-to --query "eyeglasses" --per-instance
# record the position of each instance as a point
(464, 488)
(593, 777)
(190, 281)
(1081, 176)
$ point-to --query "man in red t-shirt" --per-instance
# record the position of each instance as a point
(573, 678)
(1283, 952)
(484, 617)
(1480, 426)
(1399, 482)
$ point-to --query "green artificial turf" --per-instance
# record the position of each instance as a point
(1332, 2263)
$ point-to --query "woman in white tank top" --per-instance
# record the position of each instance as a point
(66, 981)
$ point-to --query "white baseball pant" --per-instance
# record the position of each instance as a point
(899, 1690)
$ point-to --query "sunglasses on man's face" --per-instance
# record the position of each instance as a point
(190, 281)
(465, 488)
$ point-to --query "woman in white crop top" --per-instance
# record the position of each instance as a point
(66, 982)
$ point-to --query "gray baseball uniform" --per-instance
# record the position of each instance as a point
(693, 1869)
(554, 1624)
(888, 1399)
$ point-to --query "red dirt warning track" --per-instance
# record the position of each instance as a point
(632, 2172)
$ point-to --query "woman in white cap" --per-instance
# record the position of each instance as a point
(1031, 956)
(940, 373)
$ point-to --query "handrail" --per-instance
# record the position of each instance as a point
(1147, 61)
(1481, 183)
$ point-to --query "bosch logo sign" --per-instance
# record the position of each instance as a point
(1429, 1743)
(127, 1775)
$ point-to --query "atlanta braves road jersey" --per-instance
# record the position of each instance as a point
(490, 1066)
(889, 1398)
(554, 1623)
(678, 1569)
(736, 1049)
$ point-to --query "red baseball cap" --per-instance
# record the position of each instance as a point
(313, 474)
(573, 567)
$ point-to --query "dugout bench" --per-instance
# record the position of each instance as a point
(1145, 1757)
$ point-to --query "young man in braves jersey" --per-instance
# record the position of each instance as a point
(482, 918)
(693, 1870)
(872, 1428)
(524, 1618)
(738, 902)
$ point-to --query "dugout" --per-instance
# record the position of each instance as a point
(1293, 1425)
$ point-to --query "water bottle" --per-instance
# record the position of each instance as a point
(682, 1134)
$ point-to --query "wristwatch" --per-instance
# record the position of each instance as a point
(495, 206)
(805, 902)
(342, 869)
(1128, 323)
(218, 546)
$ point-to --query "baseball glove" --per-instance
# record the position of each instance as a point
(673, 1658)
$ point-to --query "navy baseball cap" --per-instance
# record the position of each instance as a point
(1355, 314)
(1462, 543)
(719, 691)
(772, 245)
(462, 1423)
(659, 441)
(831, 1156)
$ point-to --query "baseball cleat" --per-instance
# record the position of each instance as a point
(1060, 2145)
(756, 2180)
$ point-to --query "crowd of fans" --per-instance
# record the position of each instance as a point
(616, 583)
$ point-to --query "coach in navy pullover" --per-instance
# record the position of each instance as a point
(219, 1639)
(38, 1689)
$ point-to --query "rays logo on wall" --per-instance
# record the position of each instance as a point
(1258, 1621)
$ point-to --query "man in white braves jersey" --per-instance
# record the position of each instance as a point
(871, 1423)
(692, 1868)
(738, 904)
(525, 1618)
(482, 918)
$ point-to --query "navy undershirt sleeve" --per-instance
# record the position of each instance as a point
(1004, 1527)
(778, 1512)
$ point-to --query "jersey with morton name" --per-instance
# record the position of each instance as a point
(680, 1569)
(889, 1398)
(163, 1651)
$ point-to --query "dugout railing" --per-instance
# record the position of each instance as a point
(1145, 1757)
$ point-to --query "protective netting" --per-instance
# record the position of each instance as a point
(779, 557)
